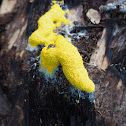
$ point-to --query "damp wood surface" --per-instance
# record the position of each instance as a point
(27, 98)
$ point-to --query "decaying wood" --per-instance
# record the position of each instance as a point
(97, 58)
(13, 41)
(110, 98)
(29, 99)
(4, 104)
(119, 6)
(76, 15)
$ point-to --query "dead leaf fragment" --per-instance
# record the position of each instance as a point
(94, 16)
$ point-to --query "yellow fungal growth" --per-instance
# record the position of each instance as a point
(49, 59)
(46, 24)
(66, 54)
(60, 2)
(59, 51)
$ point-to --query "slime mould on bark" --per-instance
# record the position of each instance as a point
(46, 24)
(62, 52)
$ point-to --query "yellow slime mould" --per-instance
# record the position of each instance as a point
(60, 2)
(59, 51)
(66, 54)
(46, 25)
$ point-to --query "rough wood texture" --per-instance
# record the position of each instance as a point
(13, 41)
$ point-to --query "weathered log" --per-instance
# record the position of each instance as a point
(13, 43)
(37, 101)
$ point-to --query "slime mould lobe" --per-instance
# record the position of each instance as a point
(59, 51)
(46, 24)
(72, 65)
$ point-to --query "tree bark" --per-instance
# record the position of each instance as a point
(28, 98)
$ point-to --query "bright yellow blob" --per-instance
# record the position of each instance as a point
(60, 2)
(46, 25)
(59, 51)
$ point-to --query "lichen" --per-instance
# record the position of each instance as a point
(59, 51)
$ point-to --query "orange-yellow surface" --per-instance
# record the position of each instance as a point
(59, 51)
